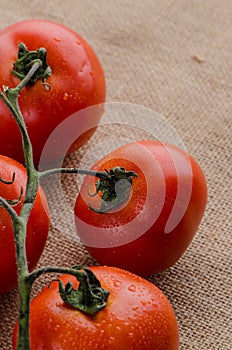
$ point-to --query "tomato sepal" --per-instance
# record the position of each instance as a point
(25, 61)
(89, 298)
(114, 186)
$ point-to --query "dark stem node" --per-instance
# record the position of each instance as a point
(89, 298)
(114, 186)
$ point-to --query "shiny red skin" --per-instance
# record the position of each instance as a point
(77, 82)
(37, 227)
(159, 166)
(138, 316)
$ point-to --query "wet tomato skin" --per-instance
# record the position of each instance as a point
(138, 316)
(160, 218)
(37, 226)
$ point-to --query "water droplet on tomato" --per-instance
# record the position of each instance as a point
(132, 288)
(56, 39)
(65, 97)
(134, 308)
(58, 304)
(57, 327)
(111, 339)
(117, 283)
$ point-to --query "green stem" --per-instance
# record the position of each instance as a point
(24, 315)
(10, 98)
(49, 172)
(24, 287)
(114, 185)
(5, 203)
(50, 269)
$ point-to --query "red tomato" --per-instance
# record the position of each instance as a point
(137, 316)
(37, 228)
(77, 81)
(157, 222)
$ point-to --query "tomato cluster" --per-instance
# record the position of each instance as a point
(76, 81)
(143, 229)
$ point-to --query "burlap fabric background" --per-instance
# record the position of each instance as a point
(174, 57)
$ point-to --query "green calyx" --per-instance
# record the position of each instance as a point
(25, 61)
(89, 298)
(114, 186)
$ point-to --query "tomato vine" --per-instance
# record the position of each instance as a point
(90, 295)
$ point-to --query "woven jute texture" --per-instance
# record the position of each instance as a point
(175, 58)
